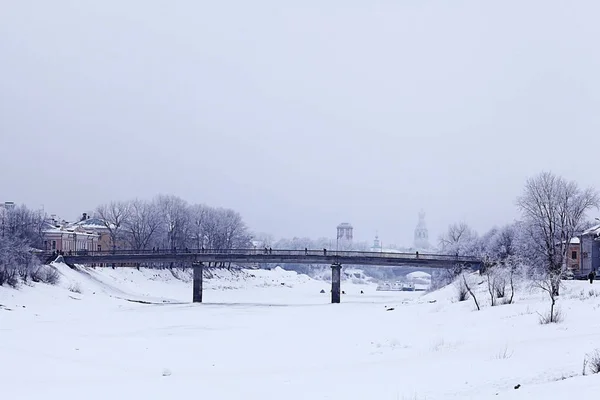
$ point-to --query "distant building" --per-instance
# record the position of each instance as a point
(88, 234)
(590, 250)
(69, 240)
(345, 232)
(98, 227)
(573, 259)
(9, 205)
(376, 245)
(421, 233)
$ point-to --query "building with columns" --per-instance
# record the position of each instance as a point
(345, 232)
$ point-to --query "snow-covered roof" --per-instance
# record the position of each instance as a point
(62, 231)
(594, 230)
(91, 223)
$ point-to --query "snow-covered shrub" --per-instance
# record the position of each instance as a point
(45, 274)
(504, 354)
(592, 362)
(75, 288)
(554, 316)
(16, 261)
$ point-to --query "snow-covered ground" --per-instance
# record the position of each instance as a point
(272, 335)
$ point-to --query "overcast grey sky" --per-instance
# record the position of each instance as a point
(299, 114)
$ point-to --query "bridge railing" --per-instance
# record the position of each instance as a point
(272, 253)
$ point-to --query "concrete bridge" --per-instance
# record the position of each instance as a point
(197, 259)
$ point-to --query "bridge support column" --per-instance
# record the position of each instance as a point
(197, 289)
(336, 280)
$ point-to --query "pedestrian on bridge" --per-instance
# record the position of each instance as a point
(266, 251)
(324, 252)
(270, 250)
(306, 251)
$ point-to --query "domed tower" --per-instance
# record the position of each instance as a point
(421, 233)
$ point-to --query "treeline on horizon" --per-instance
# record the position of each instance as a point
(553, 211)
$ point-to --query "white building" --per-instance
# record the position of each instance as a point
(421, 233)
(377, 247)
(69, 240)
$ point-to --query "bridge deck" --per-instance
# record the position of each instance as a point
(254, 256)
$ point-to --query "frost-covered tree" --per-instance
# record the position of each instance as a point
(553, 211)
(175, 217)
(114, 216)
(23, 223)
(198, 214)
(225, 229)
(143, 223)
(17, 260)
(460, 239)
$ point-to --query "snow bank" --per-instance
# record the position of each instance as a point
(275, 335)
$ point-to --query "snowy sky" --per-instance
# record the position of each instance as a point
(299, 114)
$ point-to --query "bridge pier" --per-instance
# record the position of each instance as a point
(197, 288)
(336, 280)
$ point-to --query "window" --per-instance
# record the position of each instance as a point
(574, 255)
(99, 247)
(54, 245)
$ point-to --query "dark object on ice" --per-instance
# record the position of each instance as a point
(282, 284)
(361, 292)
(343, 292)
(322, 291)
(518, 386)
(389, 309)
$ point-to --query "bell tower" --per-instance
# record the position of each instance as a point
(421, 233)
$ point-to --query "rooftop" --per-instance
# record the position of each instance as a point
(594, 230)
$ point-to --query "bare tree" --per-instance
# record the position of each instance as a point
(175, 217)
(235, 230)
(467, 286)
(198, 215)
(142, 224)
(554, 210)
(548, 283)
(16, 260)
(23, 223)
(460, 239)
(492, 284)
(114, 216)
